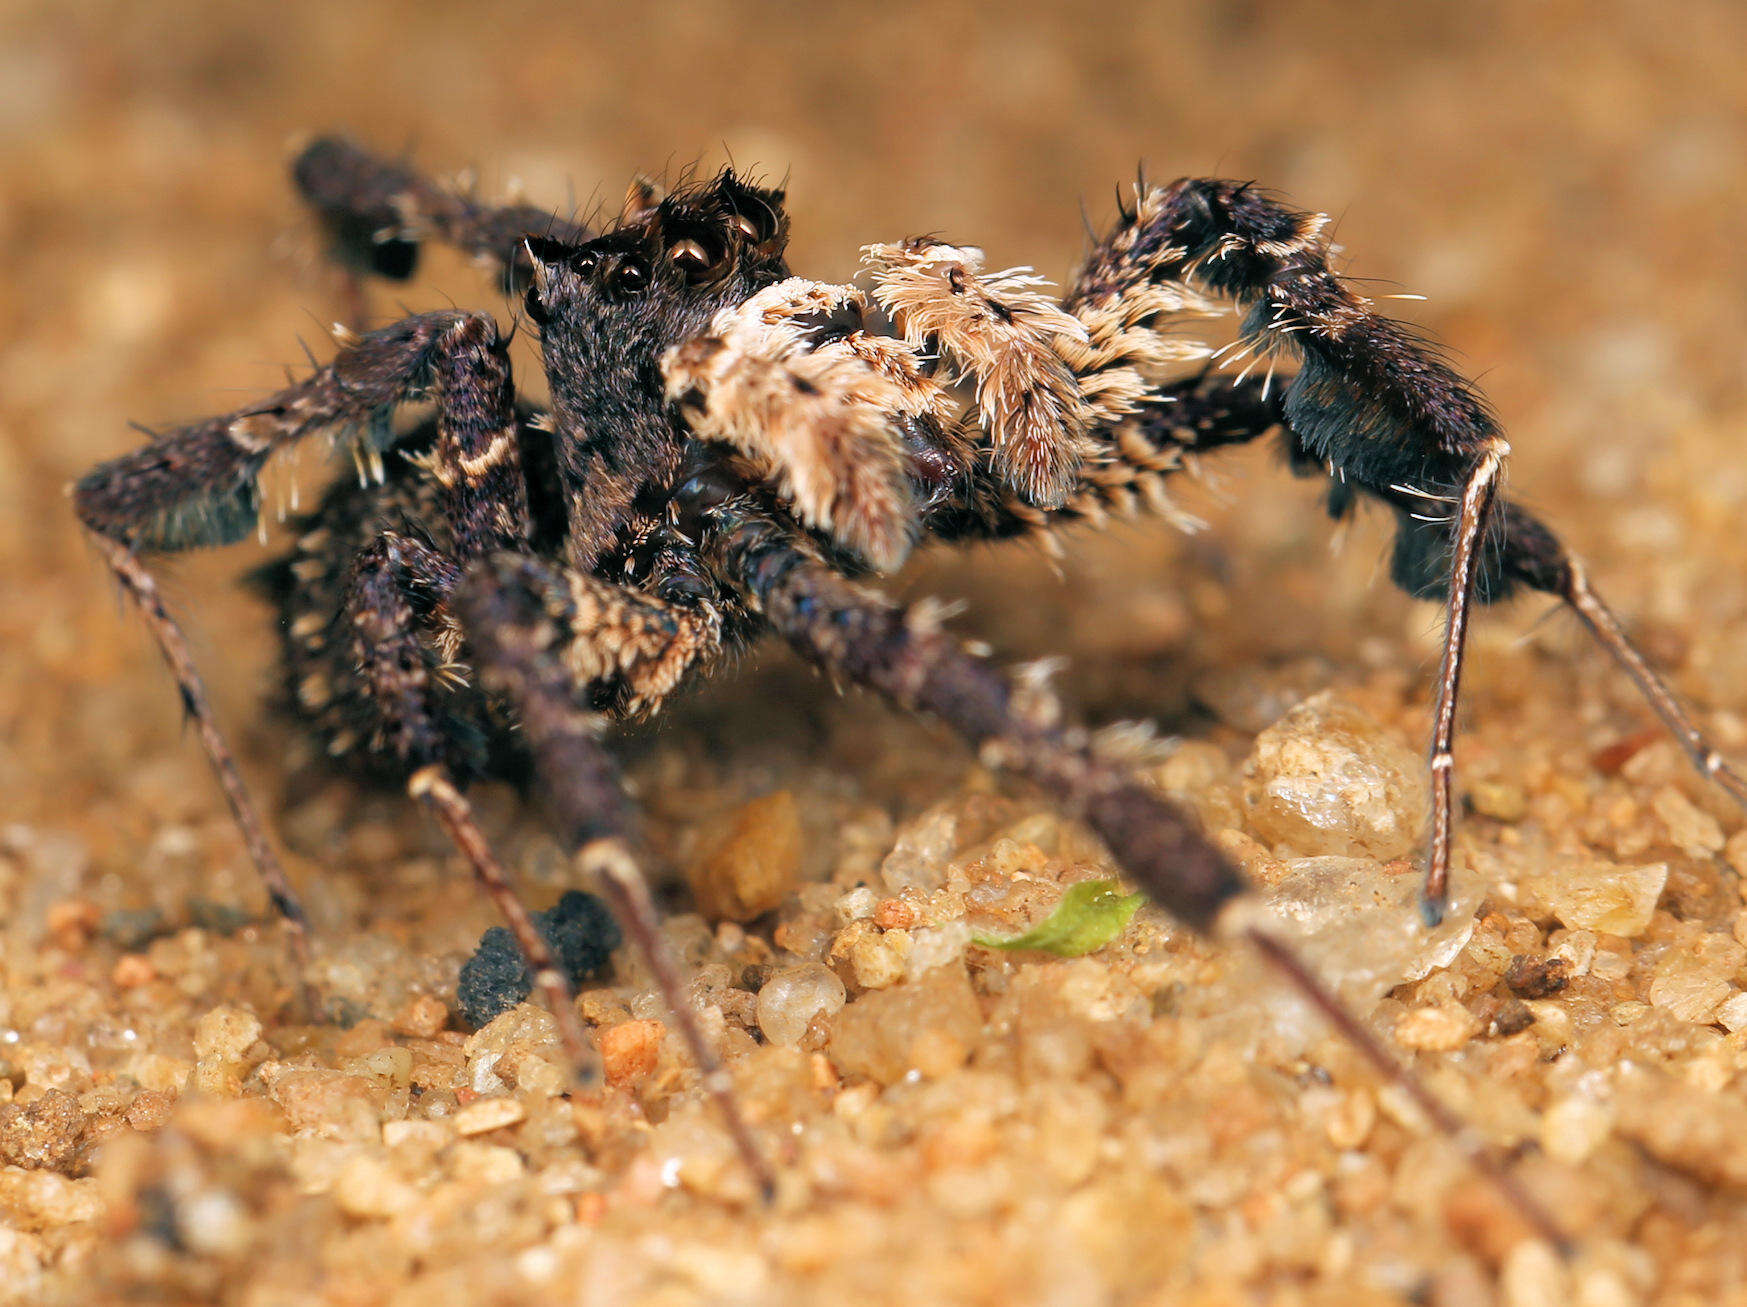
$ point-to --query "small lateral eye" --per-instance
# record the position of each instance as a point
(535, 306)
(745, 226)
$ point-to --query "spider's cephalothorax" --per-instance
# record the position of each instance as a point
(731, 450)
(608, 310)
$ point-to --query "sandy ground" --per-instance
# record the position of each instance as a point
(1142, 1125)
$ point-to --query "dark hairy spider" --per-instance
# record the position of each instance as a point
(731, 451)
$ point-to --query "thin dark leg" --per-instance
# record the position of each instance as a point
(627, 892)
(1482, 1158)
(518, 642)
(433, 787)
(143, 589)
(1606, 628)
(1534, 556)
(1471, 522)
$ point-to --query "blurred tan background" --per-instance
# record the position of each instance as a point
(1564, 182)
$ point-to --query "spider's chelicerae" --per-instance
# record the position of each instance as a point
(731, 450)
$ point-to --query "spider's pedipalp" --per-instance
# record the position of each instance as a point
(1002, 333)
(626, 646)
(818, 422)
(374, 670)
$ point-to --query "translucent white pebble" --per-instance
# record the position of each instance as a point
(791, 998)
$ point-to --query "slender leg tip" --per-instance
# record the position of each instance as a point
(1433, 909)
(585, 1079)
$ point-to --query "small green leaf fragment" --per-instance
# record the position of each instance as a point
(1090, 915)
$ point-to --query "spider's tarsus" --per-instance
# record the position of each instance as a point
(1433, 910)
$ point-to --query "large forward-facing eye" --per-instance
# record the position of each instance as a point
(698, 258)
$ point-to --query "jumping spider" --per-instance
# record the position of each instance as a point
(731, 450)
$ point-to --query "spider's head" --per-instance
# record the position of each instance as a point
(610, 307)
(668, 266)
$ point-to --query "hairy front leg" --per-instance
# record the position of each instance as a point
(905, 655)
(198, 485)
(377, 212)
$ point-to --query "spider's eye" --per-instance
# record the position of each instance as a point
(754, 218)
(585, 263)
(689, 254)
(748, 211)
(630, 277)
(535, 306)
(696, 258)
